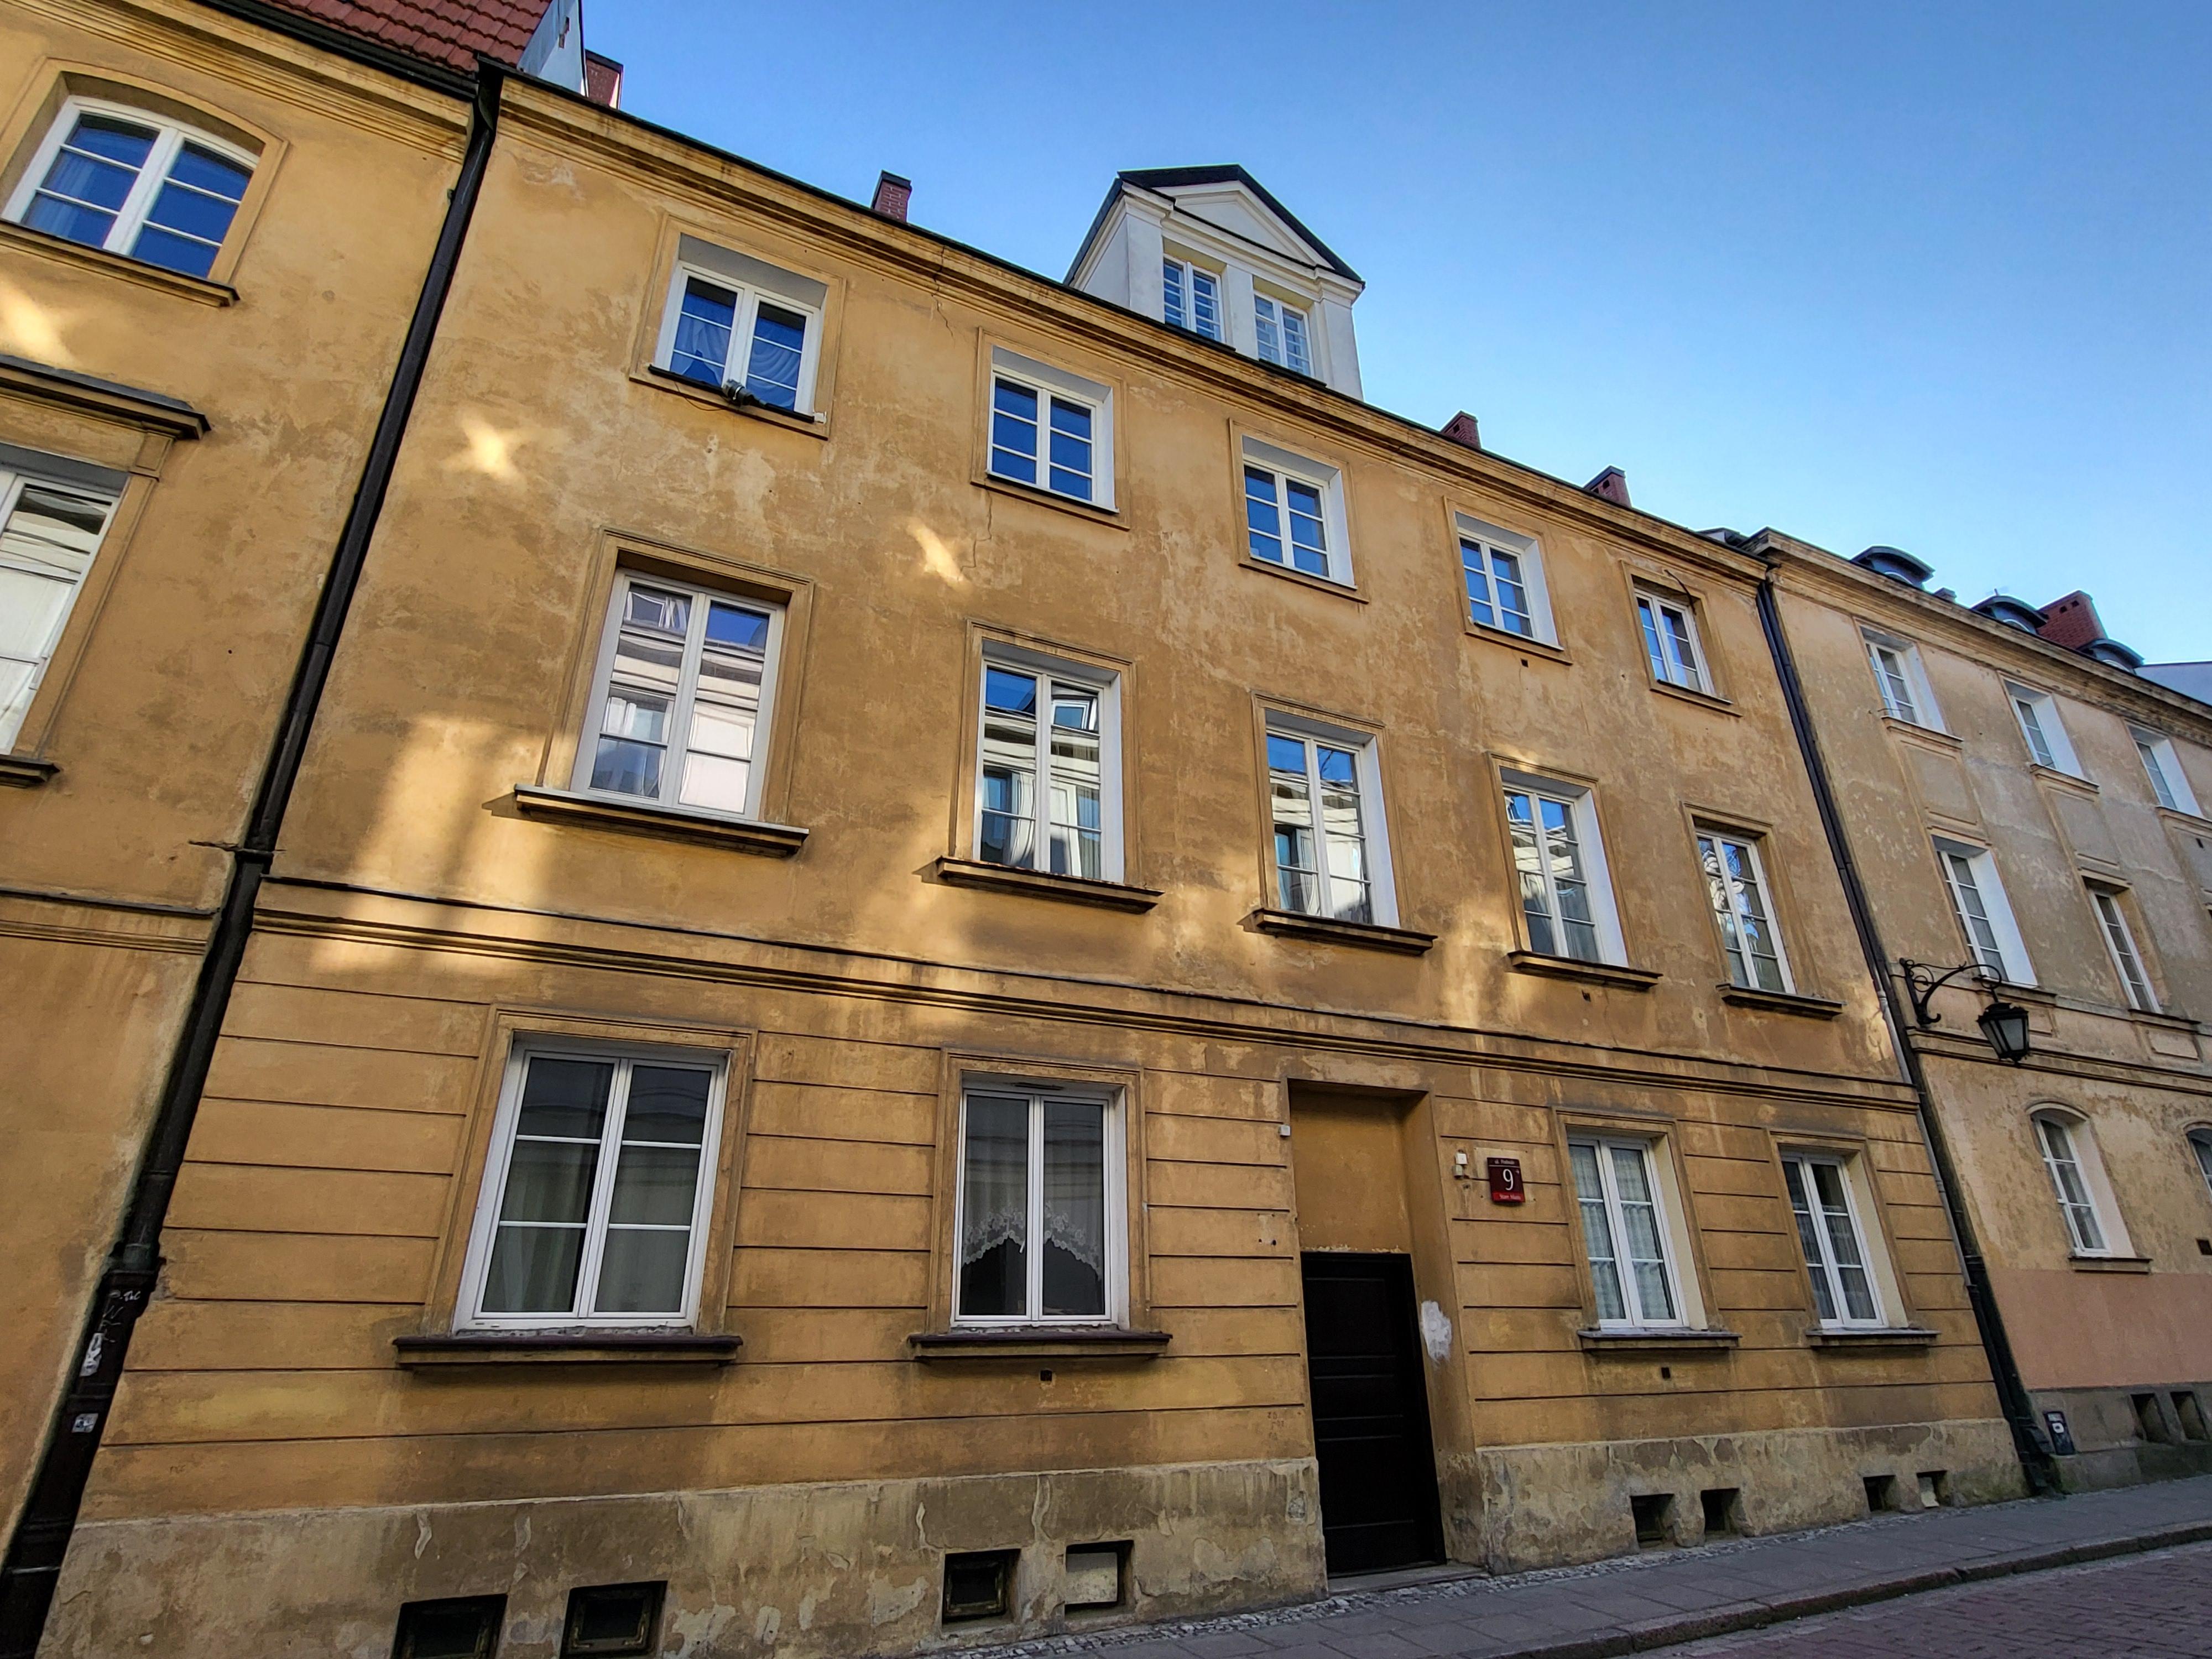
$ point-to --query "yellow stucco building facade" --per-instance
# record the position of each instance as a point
(945, 955)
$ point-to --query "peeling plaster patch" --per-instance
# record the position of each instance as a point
(422, 1536)
(1435, 1332)
(888, 1603)
(701, 1632)
(806, 1610)
(766, 1623)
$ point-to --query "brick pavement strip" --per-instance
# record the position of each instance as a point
(1660, 1599)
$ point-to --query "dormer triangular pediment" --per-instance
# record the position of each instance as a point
(1245, 217)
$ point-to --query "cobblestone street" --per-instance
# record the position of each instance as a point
(2159, 1606)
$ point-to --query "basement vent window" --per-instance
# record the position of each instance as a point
(605, 1620)
(2190, 1411)
(1654, 1514)
(1935, 1488)
(978, 1585)
(1097, 1576)
(466, 1627)
(1723, 1507)
(1880, 1492)
(2150, 1422)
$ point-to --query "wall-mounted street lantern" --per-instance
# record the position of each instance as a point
(2004, 1024)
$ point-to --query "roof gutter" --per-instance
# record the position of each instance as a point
(32, 1566)
(2027, 1442)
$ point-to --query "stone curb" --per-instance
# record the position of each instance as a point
(1738, 1617)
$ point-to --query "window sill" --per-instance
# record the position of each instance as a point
(2051, 775)
(1711, 700)
(609, 1348)
(1932, 736)
(1781, 1002)
(2109, 1264)
(1027, 1342)
(1320, 584)
(22, 772)
(1883, 1336)
(1368, 935)
(776, 840)
(815, 425)
(1038, 884)
(1600, 1340)
(1595, 973)
(1513, 642)
(2195, 825)
(65, 252)
(1020, 491)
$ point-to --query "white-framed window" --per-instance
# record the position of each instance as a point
(1281, 330)
(1049, 766)
(1325, 796)
(1977, 899)
(596, 1188)
(113, 176)
(1743, 906)
(1504, 577)
(1670, 641)
(2200, 1142)
(1041, 1219)
(1834, 1243)
(2042, 729)
(2120, 941)
(49, 532)
(1190, 298)
(682, 697)
(1625, 1231)
(1051, 429)
(2068, 1157)
(2169, 784)
(1294, 512)
(736, 323)
(1902, 680)
(1559, 856)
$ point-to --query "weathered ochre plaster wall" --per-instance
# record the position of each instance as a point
(169, 675)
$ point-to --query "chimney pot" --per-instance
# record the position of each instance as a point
(892, 195)
(1462, 430)
(1610, 485)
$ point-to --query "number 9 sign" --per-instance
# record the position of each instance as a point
(1505, 1186)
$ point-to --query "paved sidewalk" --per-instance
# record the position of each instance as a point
(1660, 1598)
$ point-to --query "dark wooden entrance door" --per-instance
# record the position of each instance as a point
(1371, 1410)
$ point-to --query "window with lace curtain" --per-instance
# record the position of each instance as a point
(1040, 1208)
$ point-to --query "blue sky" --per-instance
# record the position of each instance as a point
(1932, 275)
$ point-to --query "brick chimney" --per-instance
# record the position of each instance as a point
(1610, 485)
(1463, 429)
(602, 80)
(892, 195)
(2071, 622)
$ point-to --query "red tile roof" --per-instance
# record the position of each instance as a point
(447, 32)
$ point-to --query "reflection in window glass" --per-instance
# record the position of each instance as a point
(47, 539)
(1321, 836)
(1732, 880)
(1554, 886)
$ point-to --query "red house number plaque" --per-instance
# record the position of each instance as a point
(1505, 1186)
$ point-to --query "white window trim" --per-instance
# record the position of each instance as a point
(483, 1232)
(671, 781)
(1580, 803)
(2089, 1161)
(1189, 266)
(1700, 666)
(748, 297)
(1303, 310)
(1827, 1265)
(2156, 747)
(1989, 886)
(170, 136)
(1754, 848)
(1115, 1158)
(1049, 382)
(1926, 714)
(2127, 956)
(13, 480)
(1107, 683)
(2200, 1148)
(2048, 721)
(1670, 1235)
(1285, 463)
(1382, 883)
(1530, 552)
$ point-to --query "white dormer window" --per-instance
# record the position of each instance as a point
(1282, 334)
(1190, 298)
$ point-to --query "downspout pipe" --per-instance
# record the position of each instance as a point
(2027, 1441)
(32, 1566)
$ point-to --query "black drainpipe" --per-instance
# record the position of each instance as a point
(2019, 1414)
(33, 1561)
